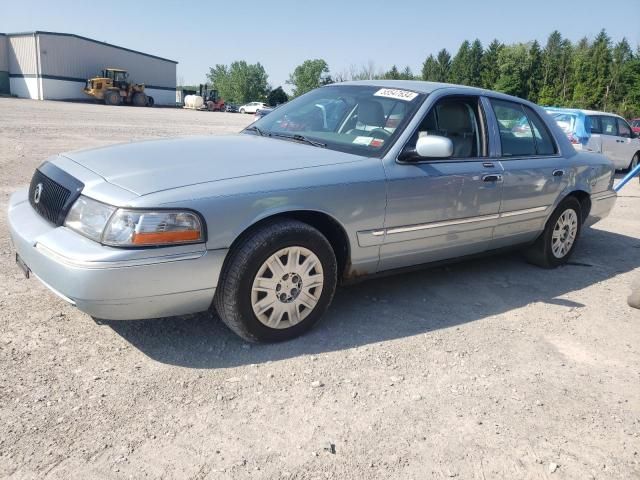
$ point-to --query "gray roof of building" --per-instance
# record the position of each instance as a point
(38, 32)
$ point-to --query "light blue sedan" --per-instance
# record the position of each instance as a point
(350, 180)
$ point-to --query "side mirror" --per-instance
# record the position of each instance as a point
(429, 146)
(434, 146)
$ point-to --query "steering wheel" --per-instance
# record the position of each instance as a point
(380, 132)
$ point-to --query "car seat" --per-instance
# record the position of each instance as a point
(454, 122)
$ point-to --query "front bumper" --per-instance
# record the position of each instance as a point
(112, 283)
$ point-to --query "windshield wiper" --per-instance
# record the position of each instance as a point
(253, 128)
(299, 138)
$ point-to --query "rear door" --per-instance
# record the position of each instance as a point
(534, 174)
(594, 143)
(610, 140)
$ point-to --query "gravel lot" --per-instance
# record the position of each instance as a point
(489, 369)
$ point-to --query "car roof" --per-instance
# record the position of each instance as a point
(421, 86)
(580, 110)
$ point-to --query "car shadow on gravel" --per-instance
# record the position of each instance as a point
(396, 307)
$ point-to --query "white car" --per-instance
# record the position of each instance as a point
(600, 132)
(252, 107)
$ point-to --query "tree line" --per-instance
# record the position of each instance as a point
(596, 74)
(593, 74)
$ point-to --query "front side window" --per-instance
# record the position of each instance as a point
(359, 119)
(609, 125)
(522, 131)
(459, 119)
(623, 129)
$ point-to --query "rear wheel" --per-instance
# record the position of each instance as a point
(150, 101)
(277, 282)
(112, 98)
(556, 244)
(139, 99)
(634, 161)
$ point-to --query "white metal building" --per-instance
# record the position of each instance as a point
(56, 66)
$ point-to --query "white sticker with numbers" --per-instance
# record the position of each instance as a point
(362, 140)
(396, 93)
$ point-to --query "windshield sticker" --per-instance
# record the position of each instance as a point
(405, 95)
(376, 142)
(362, 141)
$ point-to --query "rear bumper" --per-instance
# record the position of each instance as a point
(110, 283)
(601, 206)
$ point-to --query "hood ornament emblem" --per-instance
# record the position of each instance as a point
(37, 193)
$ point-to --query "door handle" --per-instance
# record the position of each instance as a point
(558, 173)
(492, 177)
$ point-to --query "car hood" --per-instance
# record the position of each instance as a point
(153, 166)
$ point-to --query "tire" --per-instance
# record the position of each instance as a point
(560, 236)
(251, 298)
(150, 101)
(139, 99)
(634, 161)
(242, 110)
(112, 98)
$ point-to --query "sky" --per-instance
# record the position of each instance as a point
(282, 34)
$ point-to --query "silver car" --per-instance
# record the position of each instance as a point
(347, 181)
(608, 134)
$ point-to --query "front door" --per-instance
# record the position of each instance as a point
(534, 173)
(448, 207)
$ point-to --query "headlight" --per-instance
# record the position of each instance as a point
(146, 228)
(121, 227)
(89, 217)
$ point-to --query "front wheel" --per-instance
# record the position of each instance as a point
(634, 161)
(242, 110)
(558, 240)
(112, 98)
(277, 283)
(139, 99)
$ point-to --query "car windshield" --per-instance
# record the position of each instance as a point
(363, 120)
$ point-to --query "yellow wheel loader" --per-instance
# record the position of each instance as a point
(114, 88)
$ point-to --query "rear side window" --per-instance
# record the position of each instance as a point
(609, 125)
(623, 129)
(544, 142)
(522, 131)
(596, 125)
